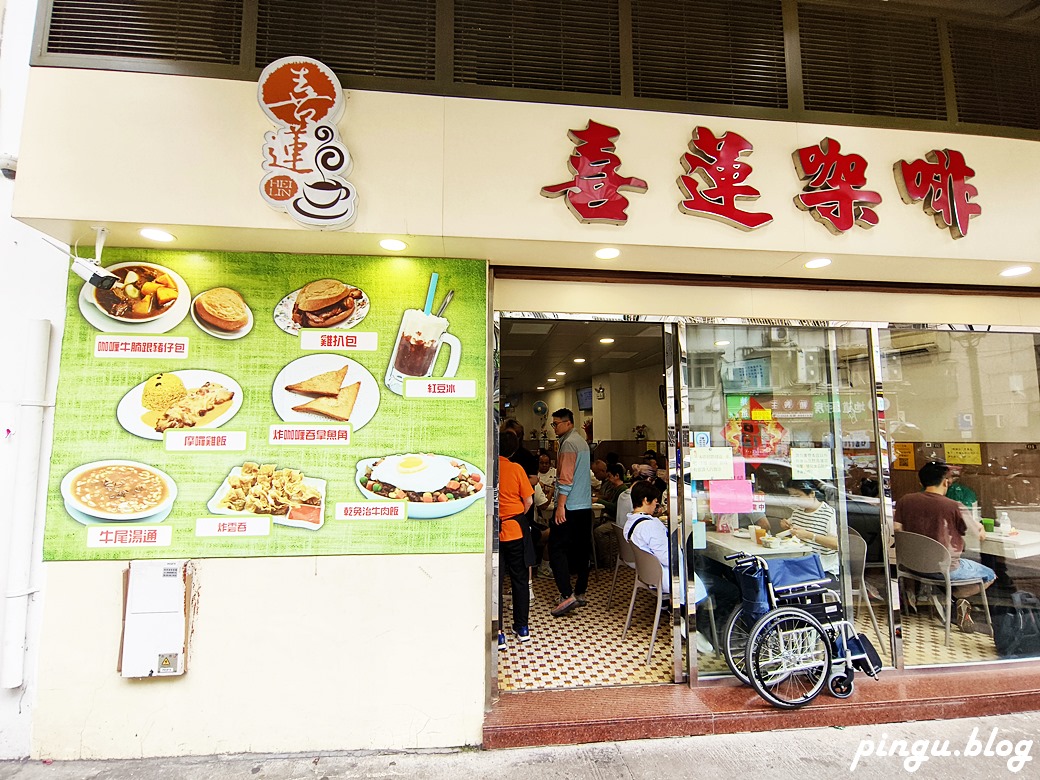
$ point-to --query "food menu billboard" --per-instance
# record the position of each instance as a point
(236, 404)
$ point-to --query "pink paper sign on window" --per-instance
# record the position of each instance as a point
(730, 495)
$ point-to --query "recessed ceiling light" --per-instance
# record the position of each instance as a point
(154, 234)
(561, 373)
(550, 380)
(819, 262)
(1017, 270)
(606, 341)
(540, 387)
(393, 244)
(721, 343)
(608, 253)
(579, 360)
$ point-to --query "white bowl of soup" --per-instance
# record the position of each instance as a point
(118, 490)
(145, 292)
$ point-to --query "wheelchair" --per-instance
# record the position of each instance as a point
(789, 637)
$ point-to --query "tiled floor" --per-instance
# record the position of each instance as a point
(584, 649)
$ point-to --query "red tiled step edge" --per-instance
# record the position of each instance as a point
(521, 719)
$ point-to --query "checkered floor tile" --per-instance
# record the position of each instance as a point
(584, 648)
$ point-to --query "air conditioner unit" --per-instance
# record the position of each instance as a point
(912, 341)
(779, 335)
(809, 368)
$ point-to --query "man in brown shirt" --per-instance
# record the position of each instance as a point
(930, 513)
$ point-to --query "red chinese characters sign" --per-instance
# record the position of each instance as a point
(716, 160)
(834, 193)
(304, 161)
(594, 194)
(715, 177)
(941, 181)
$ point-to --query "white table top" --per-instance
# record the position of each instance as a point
(1024, 544)
(721, 545)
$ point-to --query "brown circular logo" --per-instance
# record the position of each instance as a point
(280, 188)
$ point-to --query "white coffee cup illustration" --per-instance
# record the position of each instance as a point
(419, 342)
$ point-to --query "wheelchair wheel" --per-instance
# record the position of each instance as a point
(734, 644)
(841, 687)
(788, 657)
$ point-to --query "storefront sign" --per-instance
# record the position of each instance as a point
(305, 164)
(715, 173)
(716, 161)
(834, 193)
(594, 193)
(260, 443)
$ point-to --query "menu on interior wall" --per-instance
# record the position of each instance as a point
(233, 404)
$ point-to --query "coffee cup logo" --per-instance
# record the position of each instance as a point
(304, 161)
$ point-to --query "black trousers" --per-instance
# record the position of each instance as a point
(514, 561)
(570, 547)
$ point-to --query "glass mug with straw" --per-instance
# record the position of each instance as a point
(419, 342)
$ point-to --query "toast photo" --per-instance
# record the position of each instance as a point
(338, 408)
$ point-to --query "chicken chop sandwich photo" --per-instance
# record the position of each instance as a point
(324, 303)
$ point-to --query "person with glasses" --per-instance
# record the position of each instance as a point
(570, 532)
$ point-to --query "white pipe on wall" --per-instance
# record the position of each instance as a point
(19, 587)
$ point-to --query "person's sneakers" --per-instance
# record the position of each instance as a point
(544, 570)
(704, 646)
(964, 619)
(580, 598)
(872, 592)
(523, 633)
(501, 640)
(564, 606)
(983, 628)
(532, 593)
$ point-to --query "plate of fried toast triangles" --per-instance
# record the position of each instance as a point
(325, 388)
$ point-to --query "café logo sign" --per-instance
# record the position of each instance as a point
(834, 189)
(305, 165)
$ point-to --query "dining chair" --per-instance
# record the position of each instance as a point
(857, 566)
(923, 559)
(625, 556)
(648, 577)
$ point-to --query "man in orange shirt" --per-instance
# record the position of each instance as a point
(515, 550)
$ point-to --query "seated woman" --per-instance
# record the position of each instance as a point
(814, 522)
(649, 534)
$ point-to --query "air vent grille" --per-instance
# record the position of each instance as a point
(186, 30)
(857, 63)
(381, 38)
(710, 51)
(996, 76)
(539, 44)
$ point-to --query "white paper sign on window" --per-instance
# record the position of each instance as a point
(711, 463)
(812, 463)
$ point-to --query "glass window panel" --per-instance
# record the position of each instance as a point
(790, 417)
(969, 399)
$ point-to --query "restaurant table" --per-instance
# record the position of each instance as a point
(1024, 544)
(720, 545)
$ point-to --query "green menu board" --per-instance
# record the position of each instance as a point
(235, 404)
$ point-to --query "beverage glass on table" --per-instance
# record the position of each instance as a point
(418, 344)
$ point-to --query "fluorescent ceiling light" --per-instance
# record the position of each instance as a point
(579, 360)
(540, 387)
(393, 244)
(606, 341)
(154, 234)
(722, 343)
(1017, 270)
(819, 262)
(608, 253)
(561, 373)
(550, 380)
